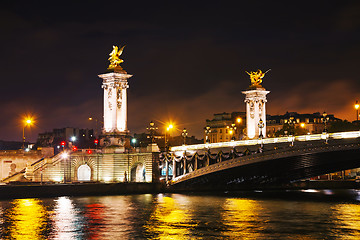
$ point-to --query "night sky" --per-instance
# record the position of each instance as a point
(188, 59)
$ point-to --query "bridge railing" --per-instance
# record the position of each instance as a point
(289, 139)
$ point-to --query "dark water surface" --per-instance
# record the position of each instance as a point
(308, 214)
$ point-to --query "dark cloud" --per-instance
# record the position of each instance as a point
(188, 59)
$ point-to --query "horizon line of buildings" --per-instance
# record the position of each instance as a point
(223, 127)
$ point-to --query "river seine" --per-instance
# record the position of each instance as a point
(309, 214)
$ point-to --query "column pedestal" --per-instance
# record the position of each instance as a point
(115, 132)
(255, 100)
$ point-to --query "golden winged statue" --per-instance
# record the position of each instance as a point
(115, 57)
(256, 77)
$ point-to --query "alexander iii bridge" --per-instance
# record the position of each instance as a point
(262, 161)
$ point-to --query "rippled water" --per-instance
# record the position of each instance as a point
(275, 215)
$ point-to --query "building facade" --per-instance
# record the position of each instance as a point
(219, 128)
(293, 123)
(82, 138)
(225, 127)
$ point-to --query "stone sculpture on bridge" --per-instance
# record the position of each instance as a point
(256, 77)
(115, 57)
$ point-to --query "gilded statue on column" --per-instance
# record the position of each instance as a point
(115, 58)
(256, 78)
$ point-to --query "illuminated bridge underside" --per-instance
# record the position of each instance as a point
(276, 167)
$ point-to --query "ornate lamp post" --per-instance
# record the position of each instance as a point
(96, 125)
(27, 123)
(261, 125)
(232, 131)
(151, 130)
(170, 126)
(207, 132)
(357, 110)
(184, 135)
(64, 156)
(325, 119)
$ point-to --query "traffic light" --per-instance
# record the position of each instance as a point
(96, 141)
(74, 148)
(63, 144)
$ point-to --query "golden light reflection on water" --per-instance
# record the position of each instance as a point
(241, 216)
(28, 219)
(348, 220)
(170, 220)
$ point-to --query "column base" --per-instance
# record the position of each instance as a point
(118, 141)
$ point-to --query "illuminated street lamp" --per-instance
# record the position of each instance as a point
(151, 130)
(325, 119)
(207, 132)
(64, 156)
(133, 141)
(261, 126)
(96, 124)
(232, 131)
(28, 121)
(357, 110)
(239, 120)
(170, 126)
(184, 135)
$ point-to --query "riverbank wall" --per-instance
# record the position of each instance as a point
(11, 191)
(36, 190)
(299, 185)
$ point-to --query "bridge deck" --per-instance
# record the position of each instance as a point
(279, 160)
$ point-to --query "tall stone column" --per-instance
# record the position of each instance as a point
(255, 99)
(255, 110)
(115, 85)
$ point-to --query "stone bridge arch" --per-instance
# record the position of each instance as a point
(81, 167)
(138, 172)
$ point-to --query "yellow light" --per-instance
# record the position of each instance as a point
(28, 121)
(238, 120)
(170, 127)
(302, 125)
